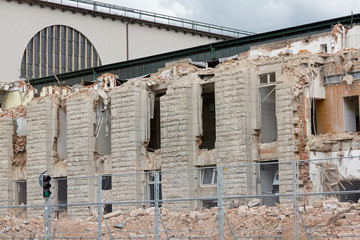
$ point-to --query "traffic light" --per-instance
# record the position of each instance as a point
(46, 185)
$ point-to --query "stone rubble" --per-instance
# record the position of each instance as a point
(249, 222)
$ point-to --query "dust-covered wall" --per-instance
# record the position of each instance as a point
(292, 82)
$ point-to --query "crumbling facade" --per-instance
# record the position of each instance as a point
(279, 102)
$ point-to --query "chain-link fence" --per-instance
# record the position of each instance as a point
(313, 199)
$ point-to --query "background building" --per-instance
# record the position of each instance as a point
(47, 37)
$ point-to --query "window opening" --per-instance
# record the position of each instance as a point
(103, 128)
(155, 130)
(267, 78)
(106, 184)
(151, 188)
(209, 204)
(208, 117)
(208, 176)
(269, 181)
(267, 95)
(313, 117)
(62, 134)
(21, 189)
(346, 186)
(323, 48)
(61, 41)
(351, 114)
(62, 193)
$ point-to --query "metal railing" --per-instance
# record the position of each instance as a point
(153, 17)
(289, 213)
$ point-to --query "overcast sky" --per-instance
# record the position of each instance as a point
(251, 15)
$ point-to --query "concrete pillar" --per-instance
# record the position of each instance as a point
(178, 144)
(284, 112)
(81, 122)
(6, 155)
(128, 126)
(231, 136)
(41, 129)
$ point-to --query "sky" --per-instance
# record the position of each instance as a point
(250, 15)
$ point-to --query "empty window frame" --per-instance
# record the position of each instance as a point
(21, 189)
(351, 114)
(61, 193)
(106, 182)
(208, 117)
(323, 48)
(313, 117)
(209, 204)
(62, 134)
(151, 187)
(208, 176)
(57, 49)
(267, 97)
(346, 186)
(269, 181)
(155, 131)
(103, 129)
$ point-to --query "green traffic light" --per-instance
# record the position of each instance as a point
(47, 194)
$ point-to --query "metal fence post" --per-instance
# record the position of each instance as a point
(220, 201)
(156, 197)
(47, 215)
(99, 210)
(295, 190)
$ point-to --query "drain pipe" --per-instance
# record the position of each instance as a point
(127, 41)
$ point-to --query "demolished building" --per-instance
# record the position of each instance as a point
(281, 101)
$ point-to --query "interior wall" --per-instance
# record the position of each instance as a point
(330, 112)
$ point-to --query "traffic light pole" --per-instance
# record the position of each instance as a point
(47, 214)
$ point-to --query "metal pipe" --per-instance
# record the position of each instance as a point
(127, 41)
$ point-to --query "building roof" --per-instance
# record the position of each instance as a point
(136, 16)
(208, 52)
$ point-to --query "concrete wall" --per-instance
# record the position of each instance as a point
(107, 36)
(330, 118)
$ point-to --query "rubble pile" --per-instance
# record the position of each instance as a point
(325, 218)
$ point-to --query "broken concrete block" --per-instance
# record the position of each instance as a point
(150, 210)
(194, 215)
(348, 79)
(331, 204)
(347, 66)
(327, 214)
(242, 211)
(113, 214)
(262, 209)
(350, 216)
(317, 203)
(253, 203)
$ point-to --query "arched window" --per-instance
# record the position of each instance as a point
(57, 49)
